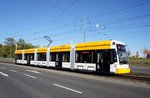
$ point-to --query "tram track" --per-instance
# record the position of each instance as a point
(137, 77)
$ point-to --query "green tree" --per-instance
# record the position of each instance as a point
(21, 44)
(29, 45)
(9, 47)
(1, 50)
(5, 51)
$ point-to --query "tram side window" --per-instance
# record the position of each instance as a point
(66, 57)
(41, 56)
(53, 56)
(25, 57)
(19, 56)
(32, 56)
(78, 57)
(85, 56)
(29, 56)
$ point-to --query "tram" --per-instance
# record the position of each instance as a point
(107, 56)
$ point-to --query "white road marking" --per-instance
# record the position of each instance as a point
(34, 71)
(12, 70)
(68, 88)
(2, 67)
(30, 76)
(3, 74)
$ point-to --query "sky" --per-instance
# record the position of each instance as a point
(66, 21)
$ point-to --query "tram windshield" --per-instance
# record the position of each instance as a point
(122, 54)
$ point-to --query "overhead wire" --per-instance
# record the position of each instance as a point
(110, 30)
(125, 28)
(61, 33)
(32, 14)
(117, 20)
(119, 10)
(101, 21)
(105, 13)
(69, 13)
(66, 9)
(111, 12)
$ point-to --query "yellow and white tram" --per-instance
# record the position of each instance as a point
(108, 56)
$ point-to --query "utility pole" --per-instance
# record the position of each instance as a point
(84, 26)
(16, 46)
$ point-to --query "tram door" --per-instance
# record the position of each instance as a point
(106, 60)
(99, 66)
(59, 60)
(28, 59)
(103, 64)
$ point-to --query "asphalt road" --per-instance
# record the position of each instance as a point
(138, 69)
(18, 81)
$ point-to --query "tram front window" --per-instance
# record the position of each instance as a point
(122, 54)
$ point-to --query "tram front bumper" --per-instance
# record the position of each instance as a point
(122, 70)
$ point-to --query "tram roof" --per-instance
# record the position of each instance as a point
(104, 44)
